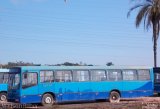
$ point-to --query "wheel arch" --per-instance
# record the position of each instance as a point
(3, 92)
(51, 102)
(115, 90)
(51, 93)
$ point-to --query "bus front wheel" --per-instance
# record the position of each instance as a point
(47, 100)
(3, 96)
(114, 97)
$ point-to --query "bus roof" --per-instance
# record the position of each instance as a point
(80, 67)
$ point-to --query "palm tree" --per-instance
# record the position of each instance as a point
(150, 13)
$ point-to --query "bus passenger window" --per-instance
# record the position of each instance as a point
(114, 75)
(80, 75)
(98, 75)
(129, 75)
(1, 77)
(143, 75)
(63, 76)
(46, 76)
(29, 79)
(6, 77)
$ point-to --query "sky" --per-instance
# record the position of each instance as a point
(88, 31)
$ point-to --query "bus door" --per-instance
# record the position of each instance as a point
(30, 89)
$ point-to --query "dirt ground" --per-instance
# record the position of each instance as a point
(139, 103)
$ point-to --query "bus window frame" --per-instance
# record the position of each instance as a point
(81, 70)
(58, 81)
(130, 69)
(90, 79)
(29, 86)
(5, 80)
(112, 80)
(46, 81)
(2, 79)
(150, 78)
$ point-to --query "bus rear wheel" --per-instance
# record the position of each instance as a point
(3, 96)
(114, 97)
(47, 100)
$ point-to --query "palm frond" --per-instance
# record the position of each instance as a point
(150, 13)
(131, 9)
(143, 12)
(149, 20)
(150, 1)
(146, 17)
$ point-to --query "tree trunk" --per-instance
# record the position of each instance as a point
(155, 44)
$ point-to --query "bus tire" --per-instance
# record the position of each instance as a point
(47, 100)
(114, 97)
(3, 96)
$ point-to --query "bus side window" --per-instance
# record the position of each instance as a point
(143, 75)
(80, 75)
(6, 77)
(114, 75)
(29, 79)
(98, 75)
(1, 77)
(63, 76)
(46, 76)
(129, 75)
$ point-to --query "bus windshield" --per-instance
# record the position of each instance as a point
(14, 81)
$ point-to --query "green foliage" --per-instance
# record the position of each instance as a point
(109, 64)
(19, 63)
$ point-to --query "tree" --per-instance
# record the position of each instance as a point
(150, 13)
(109, 64)
(18, 63)
(68, 64)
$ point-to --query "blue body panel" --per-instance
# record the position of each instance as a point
(157, 87)
(33, 98)
(3, 87)
(79, 91)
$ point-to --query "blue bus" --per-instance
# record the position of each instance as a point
(157, 80)
(55, 84)
(4, 75)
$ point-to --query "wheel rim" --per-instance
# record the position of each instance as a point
(114, 97)
(3, 98)
(48, 100)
